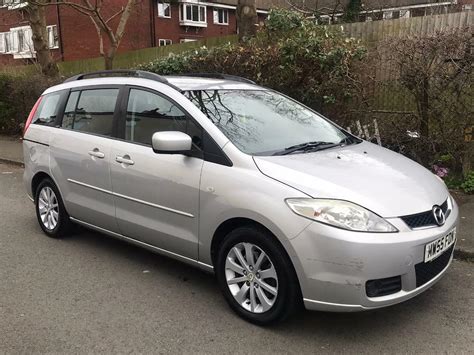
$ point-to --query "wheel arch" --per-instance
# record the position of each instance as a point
(233, 223)
(36, 180)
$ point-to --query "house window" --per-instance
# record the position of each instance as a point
(164, 42)
(4, 42)
(388, 15)
(186, 40)
(221, 16)
(193, 13)
(404, 13)
(164, 8)
(53, 39)
(22, 41)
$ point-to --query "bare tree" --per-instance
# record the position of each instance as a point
(246, 19)
(102, 23)
(36, 18)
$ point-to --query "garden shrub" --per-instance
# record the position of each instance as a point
(291, 54)
(18, 94)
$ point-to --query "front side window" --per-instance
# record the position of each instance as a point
(91, 111)
(148, 113)
(164, 8)
(47, 109)
(261, 122)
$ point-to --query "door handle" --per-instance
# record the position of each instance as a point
(124, 160)
(96, 153)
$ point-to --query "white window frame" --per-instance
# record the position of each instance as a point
(187, 40)
(3, 42)
(162, 8)
(14, 4)
(27, 49)
(164, 42)
(201, 22)
(216, 16)
(53, 43)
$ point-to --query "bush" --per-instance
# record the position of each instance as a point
(18, 94)
(436, 70)
(291, 54)
(468, 184)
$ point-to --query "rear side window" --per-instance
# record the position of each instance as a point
(91, 111)
(47, 110)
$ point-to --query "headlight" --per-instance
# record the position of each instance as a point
(342, 214)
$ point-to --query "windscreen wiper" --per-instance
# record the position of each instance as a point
(308, 147)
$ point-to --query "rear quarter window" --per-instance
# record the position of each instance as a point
(48, 109)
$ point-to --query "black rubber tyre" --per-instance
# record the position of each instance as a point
(288, 298)
(64, 224)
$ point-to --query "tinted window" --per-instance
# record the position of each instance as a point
(91, 111)
(148, 113)
(48, 109)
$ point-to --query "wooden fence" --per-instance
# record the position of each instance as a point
(124, 60)
(376, 31)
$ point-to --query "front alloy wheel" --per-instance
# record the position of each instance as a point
(251, 277)
(257, 276)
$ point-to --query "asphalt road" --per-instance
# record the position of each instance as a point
(90, 293)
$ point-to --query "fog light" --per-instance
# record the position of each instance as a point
(383, 287)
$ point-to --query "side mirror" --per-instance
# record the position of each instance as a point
(171, 142)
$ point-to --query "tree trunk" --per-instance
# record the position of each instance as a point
(246, 19)
(109, 58)
(424, 107)
(37, 20)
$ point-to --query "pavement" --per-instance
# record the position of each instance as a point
(88, 293)
(11, 151)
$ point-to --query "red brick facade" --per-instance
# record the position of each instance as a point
(78, 37)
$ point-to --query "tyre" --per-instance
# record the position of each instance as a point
(52, 216)
(256, 276)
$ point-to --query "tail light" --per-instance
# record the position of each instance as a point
(31, 115)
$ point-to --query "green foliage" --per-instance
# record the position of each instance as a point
(291, 54)
(352, 11)
(18, 93)
(468, 184)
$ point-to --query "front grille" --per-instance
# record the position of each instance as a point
(383, 287)
(424, 219)
(427, 271)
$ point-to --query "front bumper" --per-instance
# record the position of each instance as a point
(334, 264)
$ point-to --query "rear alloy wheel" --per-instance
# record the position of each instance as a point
(48, 208)
(52, 216)
(256, 276)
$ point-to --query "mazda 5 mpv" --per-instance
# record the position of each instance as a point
(283, 205)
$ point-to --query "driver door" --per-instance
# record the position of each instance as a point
(156, 195)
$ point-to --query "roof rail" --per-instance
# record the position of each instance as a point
(119, 72)
(219, 76)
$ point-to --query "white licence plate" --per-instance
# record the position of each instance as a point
(438, 246)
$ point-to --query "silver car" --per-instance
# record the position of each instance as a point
(284, 206)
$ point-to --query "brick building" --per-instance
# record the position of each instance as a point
(72, 36)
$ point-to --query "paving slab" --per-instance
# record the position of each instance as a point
(11, 150)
